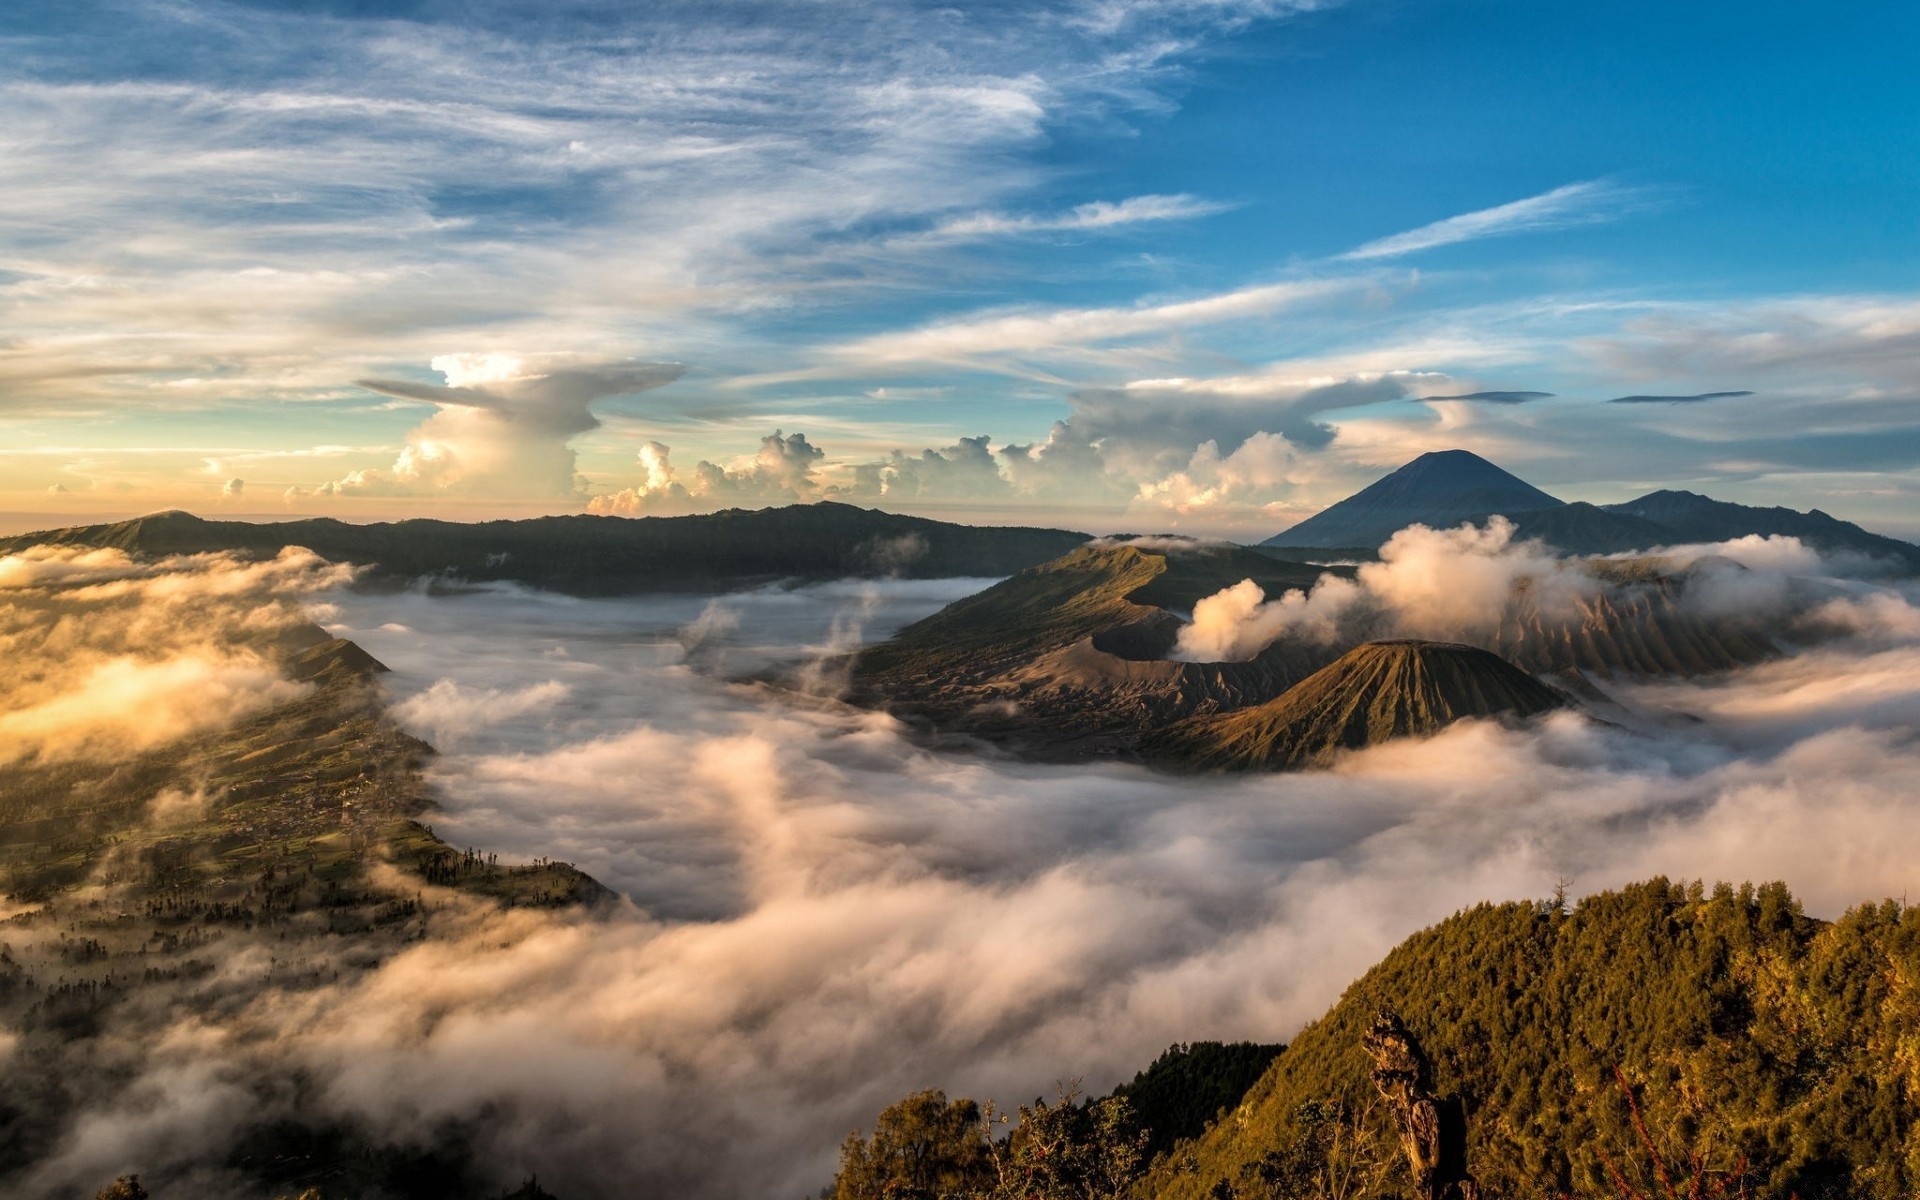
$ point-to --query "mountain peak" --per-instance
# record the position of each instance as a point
(1375, 692)
(1439, 488)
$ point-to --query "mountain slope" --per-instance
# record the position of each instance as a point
(1439, 489)
(1373, 693)
(1746, 1030)
(603, 556)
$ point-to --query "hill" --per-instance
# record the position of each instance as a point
(1439, 489)
(1745, 1031)
(605, 556)
(1373, 693)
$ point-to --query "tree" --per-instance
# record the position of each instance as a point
(127, 1187)
(925, 1147)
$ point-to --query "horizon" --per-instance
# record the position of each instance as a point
(1100, 265)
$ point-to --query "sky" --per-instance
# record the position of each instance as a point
(1193, 265)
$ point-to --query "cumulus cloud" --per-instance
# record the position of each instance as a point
(782, 472)
(503, 428)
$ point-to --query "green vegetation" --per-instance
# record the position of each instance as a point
(610, 556)
(1663, 1041)
(927, 1147)
(1190, 1085)
(1758, 1048)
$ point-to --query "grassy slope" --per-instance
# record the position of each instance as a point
(1745, 1028)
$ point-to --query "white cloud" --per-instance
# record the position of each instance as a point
(503, 428)
(1095, 216)
(1569, 205)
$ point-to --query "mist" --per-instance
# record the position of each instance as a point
(821, 915)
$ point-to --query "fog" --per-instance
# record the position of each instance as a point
(822, 915)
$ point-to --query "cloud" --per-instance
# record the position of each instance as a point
(107, 653)
(503, 428)
(1564, 207)
(354, 194)
(1448, 584)
(831, 915)
(1695, 399)
(782, 472)
(1096, 216)
(999, 341)
(1495, 397)
(233, 488)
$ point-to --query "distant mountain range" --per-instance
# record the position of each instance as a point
(1447, 487)
(609, 556)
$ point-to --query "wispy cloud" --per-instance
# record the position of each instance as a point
(979, 341)
(1085, 218)
(1572, 204)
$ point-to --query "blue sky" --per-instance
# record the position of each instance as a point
(1183, 264)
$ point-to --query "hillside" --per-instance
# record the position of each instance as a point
(1373, 693)
(134, 884)
(1441, 488)
(604, 556)
(1746, 1031)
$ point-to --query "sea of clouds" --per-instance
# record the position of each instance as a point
(822, 915)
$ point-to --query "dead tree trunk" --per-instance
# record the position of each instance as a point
(1433, 1130)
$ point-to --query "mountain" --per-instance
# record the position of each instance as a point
(608, 556)
(1068, 659)
(1447, 487)
(1371, 694)
(1440, 489)
(1690, 517)
(1741, 1030)
(1071, 659)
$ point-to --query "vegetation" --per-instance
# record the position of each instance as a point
(927, 1147)
(1190, 1085)
(1753, 1048)
(608, 556)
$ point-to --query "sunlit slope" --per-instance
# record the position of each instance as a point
(1747, 1031)
(318, 789)
(1372, 694)
(600, 556)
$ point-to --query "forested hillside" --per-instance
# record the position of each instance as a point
(1662, 1040)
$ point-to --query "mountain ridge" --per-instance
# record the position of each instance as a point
(589, 555)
